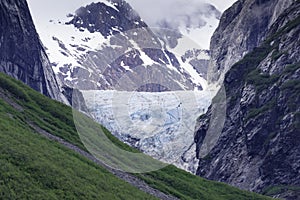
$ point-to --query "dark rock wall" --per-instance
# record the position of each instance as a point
(259, 145)
(242, 27)
(22, 55)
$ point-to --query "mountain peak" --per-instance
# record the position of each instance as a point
(108, 20)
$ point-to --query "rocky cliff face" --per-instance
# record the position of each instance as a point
(21, 53)
(258, 148)
(242, 27)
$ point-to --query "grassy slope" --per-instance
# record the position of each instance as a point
(34, 168)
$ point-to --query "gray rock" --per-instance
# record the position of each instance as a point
(258, 148)
(242, 28)
(22, 55)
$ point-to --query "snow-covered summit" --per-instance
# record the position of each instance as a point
(95, 45)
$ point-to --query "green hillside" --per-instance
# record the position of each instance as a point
(33, 167)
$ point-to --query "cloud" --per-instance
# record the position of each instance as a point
(175, 11)
(222, 5)
(154, 11)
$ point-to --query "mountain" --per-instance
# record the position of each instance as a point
(188, 32)
(197, 24)
(258, 146)
(107, 46)
(22, 54)
(110, 38)
(242, 27)
(42, 154)
(42, 157)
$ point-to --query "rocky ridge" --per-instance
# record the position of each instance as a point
(242, 28)
(258, 148)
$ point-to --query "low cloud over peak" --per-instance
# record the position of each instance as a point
(174, 12)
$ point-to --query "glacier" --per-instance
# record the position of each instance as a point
(159, 124)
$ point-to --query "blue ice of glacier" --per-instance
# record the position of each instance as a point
(159, 124)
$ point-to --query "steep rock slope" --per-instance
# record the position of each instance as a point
(242, 27)
(22, 55)
(258, 149)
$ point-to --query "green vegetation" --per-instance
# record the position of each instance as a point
(260, 80)
(257, 111)
(52, 116)
(186, 186)
(279, 189)
(246, 69)
(32, 167)
(296, 123)
(207, 157)
(118, 143)
(246, 72)
(35, 168)
(291, 68)
(277, 54)
(250, 61)
(14, 88)
(292, 86)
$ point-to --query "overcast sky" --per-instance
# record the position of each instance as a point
(221, 5)
(148, 5)
(153, 11)
(50, 9)
(146, 8)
